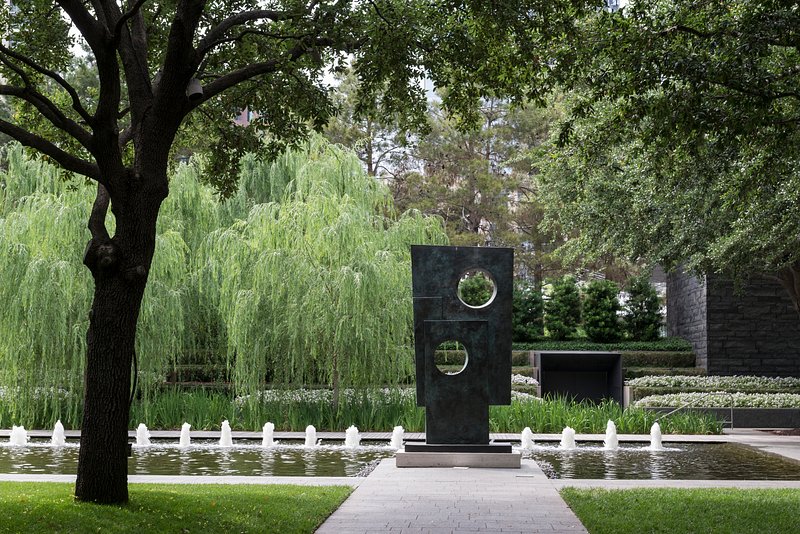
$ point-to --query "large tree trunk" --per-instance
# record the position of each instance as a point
(119, 267)
(103, 461)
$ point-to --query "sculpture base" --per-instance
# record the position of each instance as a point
(489, 448)
(458, 459)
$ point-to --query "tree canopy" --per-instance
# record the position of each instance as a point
(682, 144)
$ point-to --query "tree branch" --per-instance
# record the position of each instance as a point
(90, 28)
(255, 69)
(125, 17)
(97, 219)
(213, 37)
(66, 160)
(76, 102)
(49, 111)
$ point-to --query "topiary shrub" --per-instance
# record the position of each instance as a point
(600, 307)
(643, 310)
(562, 313)
(527, 321)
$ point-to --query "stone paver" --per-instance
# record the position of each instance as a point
(450, 500)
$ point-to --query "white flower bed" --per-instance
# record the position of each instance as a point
(523, 397)
(720, 399)
(522, 379)
(381, 396)
(326, 395)
(728, 383)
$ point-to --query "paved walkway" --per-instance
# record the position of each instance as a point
(500, 500)
(449, 500)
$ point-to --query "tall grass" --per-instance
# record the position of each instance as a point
(380, 410)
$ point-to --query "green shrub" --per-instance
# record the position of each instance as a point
(658, 359)
(527, 322)
(520, 357)
(643, 310)
(475, 289)
(562, 313)
(600, 307)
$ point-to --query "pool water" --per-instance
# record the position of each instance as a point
(205, 458)
(679, 461)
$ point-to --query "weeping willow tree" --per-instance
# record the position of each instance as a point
(301, 277)
(45, 291)
(314, 282)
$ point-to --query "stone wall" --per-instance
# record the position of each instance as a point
(686, 312)
(752, 329)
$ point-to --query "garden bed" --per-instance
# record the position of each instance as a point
(746, 417)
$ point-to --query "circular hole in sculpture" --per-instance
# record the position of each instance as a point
(451, 357)
(476, 288)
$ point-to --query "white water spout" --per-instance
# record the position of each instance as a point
(267, 435)
(351, 437)
(142, 436)
(186, 439)
(19, 436)
(58, 439)
(225, 439)
(567, 439)
(611, 443)
(655, 438)
(311, 436)
(526, 438)
(397, 437)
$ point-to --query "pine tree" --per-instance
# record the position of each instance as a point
(563, 311)
(528, 309)
(643, 310)
(600, 307)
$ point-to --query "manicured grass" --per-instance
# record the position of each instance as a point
(729, 511)
(180, 508)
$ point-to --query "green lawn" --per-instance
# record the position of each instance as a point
(682, 511)
(167, 508)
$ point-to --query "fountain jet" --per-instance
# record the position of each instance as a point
(526, 438)
(611, 443)
(397, 438)
(186, 439)
(311, 436)
(19, 436)
(351, 437)
(225, 438)
(655, 438)
(58, 439)
(266, 435)
(142, 436)
(567, 439)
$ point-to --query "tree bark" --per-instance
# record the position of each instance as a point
(119, 266)
(103, 460)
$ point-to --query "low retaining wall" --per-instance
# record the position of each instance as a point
(749, 417)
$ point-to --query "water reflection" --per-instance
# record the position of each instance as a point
(684, 461)
(631, 461)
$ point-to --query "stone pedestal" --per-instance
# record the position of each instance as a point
(509, 460)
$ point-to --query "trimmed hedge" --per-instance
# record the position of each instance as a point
(642, 392)
(658, 359)
(673, 344)
(524, 388)
(636, 372)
